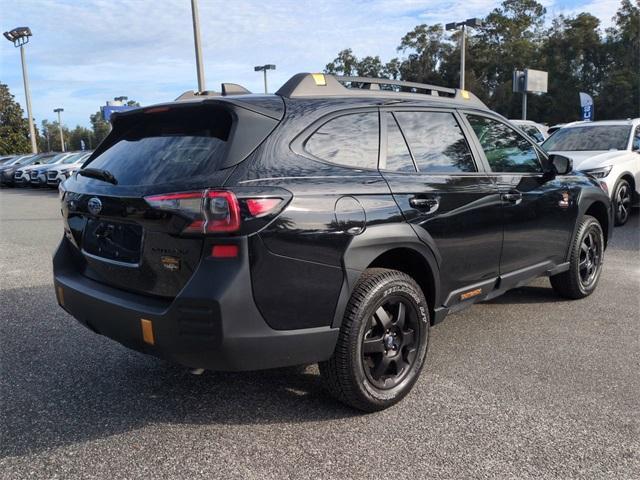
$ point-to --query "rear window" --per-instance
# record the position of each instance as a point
(167, 146)
(350, 140)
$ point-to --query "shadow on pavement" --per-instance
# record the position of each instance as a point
(61, 384)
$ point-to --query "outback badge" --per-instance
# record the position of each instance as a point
(170, 263)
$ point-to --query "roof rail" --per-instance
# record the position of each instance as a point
(322, 85)
(226, 88)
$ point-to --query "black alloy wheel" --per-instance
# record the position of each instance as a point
(585, 262)
(390, 344)
(590, 257)
(622, 197)
(382, 344)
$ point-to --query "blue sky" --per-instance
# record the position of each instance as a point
(85, 52)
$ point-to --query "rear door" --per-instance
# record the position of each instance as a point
(539, 210)
(444, 193)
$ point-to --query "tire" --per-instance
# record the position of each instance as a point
(585, 262)
(380, 350)
(622, 198)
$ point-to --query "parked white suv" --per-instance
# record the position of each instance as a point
(59, 173)
(609, 151)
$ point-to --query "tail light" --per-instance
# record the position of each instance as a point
(214, 211)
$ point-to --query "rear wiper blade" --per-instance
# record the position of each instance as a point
(99, 174)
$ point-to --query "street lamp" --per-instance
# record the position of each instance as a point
(471, 22)
(19, 37)
(58, 111)
(263, 69)
(196, 41)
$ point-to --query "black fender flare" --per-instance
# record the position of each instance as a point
(587, 198)
(369, 245)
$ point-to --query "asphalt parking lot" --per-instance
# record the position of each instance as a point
(524, 386)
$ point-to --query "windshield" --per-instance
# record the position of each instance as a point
(588, 138)
(55, 159)
(74, 158)
(168, 146)
(24, 160)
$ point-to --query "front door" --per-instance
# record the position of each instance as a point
(443, 192)
(539, 209)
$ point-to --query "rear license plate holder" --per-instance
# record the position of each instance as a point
(113, 241)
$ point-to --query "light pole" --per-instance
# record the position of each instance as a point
(471, 22)
(58, 111)
(263, 69)
(196, 41)
(19, 37)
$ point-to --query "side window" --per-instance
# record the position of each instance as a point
(636, 140)
(506, 150)
(398, 156)
(351, 140)
(436, 142)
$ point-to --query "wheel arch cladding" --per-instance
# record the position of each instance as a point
(598, 210)
(393, 246)
(411, 262)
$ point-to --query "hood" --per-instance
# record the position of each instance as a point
(591, 159)
(27, 168)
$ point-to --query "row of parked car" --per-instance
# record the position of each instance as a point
(40, 170)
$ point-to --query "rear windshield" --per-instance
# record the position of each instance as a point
(167, 146)
(587, 138)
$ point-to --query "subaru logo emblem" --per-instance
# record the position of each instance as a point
(94, 205)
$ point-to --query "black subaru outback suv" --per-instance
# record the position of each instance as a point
(332, 222)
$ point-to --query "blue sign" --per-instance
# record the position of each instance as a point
(586, 105)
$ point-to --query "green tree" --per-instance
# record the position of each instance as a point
(14, 128)
(100, 128)
(77, 136)
(345, 63)
(572, 49)
(426, 47)
(620, 90)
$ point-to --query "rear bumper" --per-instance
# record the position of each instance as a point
(212, 324)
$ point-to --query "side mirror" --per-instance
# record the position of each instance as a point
(561, 164)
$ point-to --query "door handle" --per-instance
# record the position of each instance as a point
(428, 204)
(512, 197)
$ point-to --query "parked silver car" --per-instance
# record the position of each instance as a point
(63, 170)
